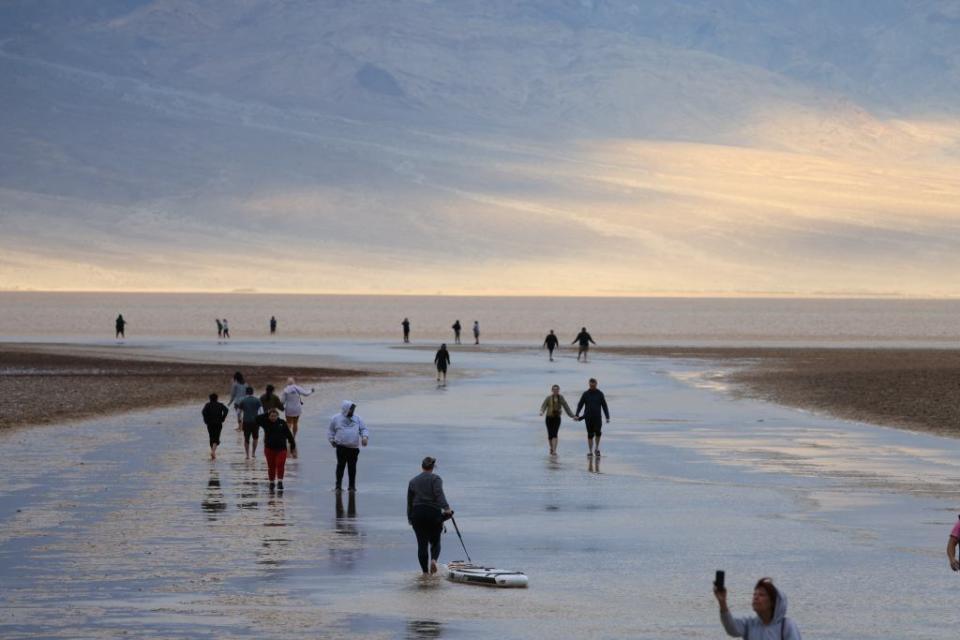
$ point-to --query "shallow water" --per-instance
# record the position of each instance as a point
(124, 527)
(518, 319)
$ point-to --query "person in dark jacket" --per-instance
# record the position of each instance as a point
(273, 325)
(592, 408)
(442, 359)
(276, 435)
(214, 413)
(427, 508)
(121, 326)
(270, 400)
(583, 339)
(406, 330)
(551, 342)
(456, 331)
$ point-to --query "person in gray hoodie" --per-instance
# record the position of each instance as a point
(347, 433)
(771, 621)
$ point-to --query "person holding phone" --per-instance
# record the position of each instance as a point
(770, 605)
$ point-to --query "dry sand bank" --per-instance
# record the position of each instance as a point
(44, 384)
(909, 388)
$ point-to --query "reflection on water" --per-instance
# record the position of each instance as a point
(593, 465)
(345, 556)
(248, 495)
(273, 548)
(213, 502)
(424, 629)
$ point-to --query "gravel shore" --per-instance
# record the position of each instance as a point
(909, 388)
(42, 385)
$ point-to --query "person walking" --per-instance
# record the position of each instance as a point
(347, 433)
(427, 508)
(219, 329)
(456, 331)
(226, 330)
(276, 435)
(584, 339)
(270, 400)
(441, 360)
(121, 326)
(273, 325)
(214, 413)
(250, 410)
(593, 405)
(292, 398)
(771, 621)
(551, 342)
(476, 332)
(406, 330)
(952, 542)
(238, 389)
(553, 406)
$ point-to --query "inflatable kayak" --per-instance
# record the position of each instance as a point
(467, 573)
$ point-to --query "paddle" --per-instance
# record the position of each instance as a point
(457, 529)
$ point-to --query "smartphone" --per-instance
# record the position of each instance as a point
(718, 581)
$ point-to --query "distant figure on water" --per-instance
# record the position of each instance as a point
(347, 433)
(442, 360)
(121, 325)
(593, 405)
(553, 406)
(270, 400)
(952, 547)
(456, 331)
(250, 410)
(226, 330)
(292, 398)
(584, 339)
(771, 621)
(427, 508)
(219, 329)
(214, 413)
(406, 330)
(276, 435)
(476, 332)
(273, 325)
(551, 342)
(238, 389)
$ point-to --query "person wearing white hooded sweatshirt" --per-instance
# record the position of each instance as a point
(292, 404)
(771, 621)
(347, 433)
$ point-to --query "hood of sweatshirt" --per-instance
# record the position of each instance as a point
(345, 407)
(780, 611)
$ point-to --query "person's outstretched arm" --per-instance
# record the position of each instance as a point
(590, 338)
(583, 401)
(332, 432)
(364, 432)
(566, 407)
(603, 404)
(734, 627)
(438, 496)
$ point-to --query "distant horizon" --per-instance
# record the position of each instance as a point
(766, 295)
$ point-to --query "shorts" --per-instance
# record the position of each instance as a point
(250, 431)
(441, 368)
(553, 426)
(213, 430)
(594, 426)
(239, 411)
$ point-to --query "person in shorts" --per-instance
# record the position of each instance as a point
(214, 413)
(592, 409)
(250, 408)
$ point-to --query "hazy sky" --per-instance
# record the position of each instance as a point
(582, 148)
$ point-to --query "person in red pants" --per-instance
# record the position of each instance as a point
(276, 435)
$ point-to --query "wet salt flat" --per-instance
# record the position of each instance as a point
(121, 526)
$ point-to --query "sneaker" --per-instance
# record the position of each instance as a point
(597, 453)
(589, 454)
(338, 489)
(271, 486)
(352, 489)
(280, 485)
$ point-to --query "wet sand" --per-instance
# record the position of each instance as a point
(122, 526)
(44, 384)
(916, 389)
